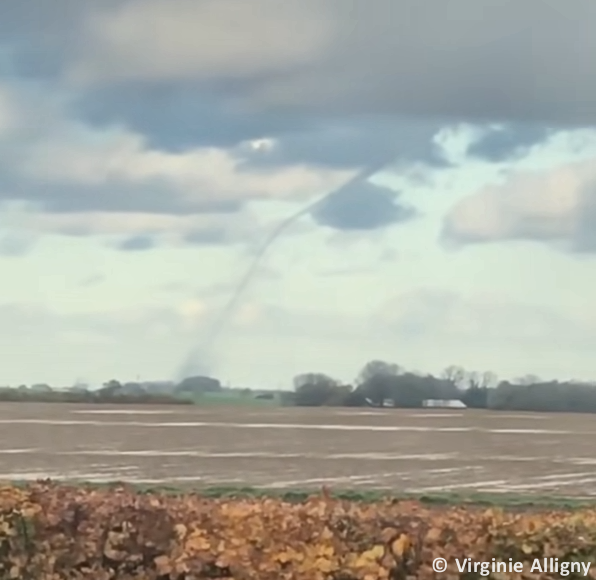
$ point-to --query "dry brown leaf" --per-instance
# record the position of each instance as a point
(400, 546)
(434, 534)
(181, 530)
(163, 564)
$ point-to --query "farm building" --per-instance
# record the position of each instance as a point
(444, 404)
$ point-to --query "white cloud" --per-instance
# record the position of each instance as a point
(550, 205)
(83, 157)
(225, 227)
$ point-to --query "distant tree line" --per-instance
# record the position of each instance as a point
(379, 384)
(189, 390)
(79, 395)
(113, 391)
(383, 384)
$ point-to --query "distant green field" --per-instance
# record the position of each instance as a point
(232, 398)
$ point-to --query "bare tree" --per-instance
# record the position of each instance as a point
(478, 380)
(489, 380)
(455, 375)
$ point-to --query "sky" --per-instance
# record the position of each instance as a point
(427, 172)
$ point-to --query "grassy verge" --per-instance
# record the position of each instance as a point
(504, 500)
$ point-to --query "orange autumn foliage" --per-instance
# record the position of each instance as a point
(53, 532)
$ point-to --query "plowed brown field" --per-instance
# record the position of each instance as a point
(415, 451)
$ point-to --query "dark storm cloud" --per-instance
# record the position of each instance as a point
(357, 141)
(508, 141)
(177, 117)
(363, 206)
(344, 96)
(138, 243)
(467, 59)
(36, 35)
(492, 60)
(486, 59)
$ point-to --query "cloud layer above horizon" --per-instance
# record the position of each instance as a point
(149, 149)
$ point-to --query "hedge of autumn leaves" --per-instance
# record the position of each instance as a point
(52, 531)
